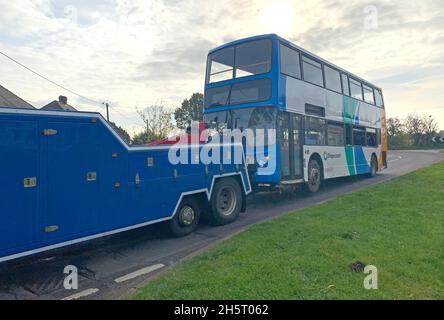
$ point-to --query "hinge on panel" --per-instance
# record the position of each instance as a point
(91, 176)
(49, 132)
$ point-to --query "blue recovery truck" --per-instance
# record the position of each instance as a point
(67, 177)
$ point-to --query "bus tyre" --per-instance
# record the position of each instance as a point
(226, 201)
(314, 176)
(373, 167)
(186, 219)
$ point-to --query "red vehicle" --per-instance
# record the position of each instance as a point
(185, 138)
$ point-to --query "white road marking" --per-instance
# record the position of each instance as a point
(140, 272)
(393, 160)
(82, 294)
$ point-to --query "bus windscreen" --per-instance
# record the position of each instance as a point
(238, 61)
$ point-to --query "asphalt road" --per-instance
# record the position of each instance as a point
(112, 267)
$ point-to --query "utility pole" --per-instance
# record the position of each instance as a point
(107, 110)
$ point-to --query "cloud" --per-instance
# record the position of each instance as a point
(175, 62)
(137, 53)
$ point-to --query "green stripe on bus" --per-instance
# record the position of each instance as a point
(350, 160)
(350, 109)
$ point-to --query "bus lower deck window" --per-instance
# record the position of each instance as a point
(371, 138)
(314, 131)
(359, 136)
(335, 134)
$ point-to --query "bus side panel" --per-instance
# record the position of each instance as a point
(19, 159)
(335, 160)
(341, 161)
(361, 163)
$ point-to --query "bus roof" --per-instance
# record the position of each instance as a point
(275, 36)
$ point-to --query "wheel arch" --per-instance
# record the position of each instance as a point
(376, 157)
(316, 156)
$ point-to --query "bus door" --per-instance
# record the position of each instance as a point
(284, 143)
(296, 145)
(291, 146)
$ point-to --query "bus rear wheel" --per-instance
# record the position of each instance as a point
(373, 167)
(226, 202)
(314, 176)
(186, 219)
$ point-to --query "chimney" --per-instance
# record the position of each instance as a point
(63, 100)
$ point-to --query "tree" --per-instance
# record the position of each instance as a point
(394, 128)
(414, 126)
(142, 138)
(121, 132)
(190, 110)
(158, 121)
(430, 127)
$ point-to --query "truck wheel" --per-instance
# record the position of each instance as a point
(186, 219)
(373, 167)
(314, 176)
(226, 201)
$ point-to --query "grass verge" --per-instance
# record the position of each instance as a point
(396, 226)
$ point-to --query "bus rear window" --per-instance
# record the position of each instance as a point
(237, 93)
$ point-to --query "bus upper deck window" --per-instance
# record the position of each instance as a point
(345, 87)
(221, 64)
(332, 79)
(356, 89)
(253, 58)
(368, 94)
(378, 98)
(290, 63)
(245, 59)
(312, 71)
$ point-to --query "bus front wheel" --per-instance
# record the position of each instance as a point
(314, 176)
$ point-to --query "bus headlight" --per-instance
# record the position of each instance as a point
(262, 163)
(250, 160)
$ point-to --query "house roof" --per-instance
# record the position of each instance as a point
(57, 106)
(10, 100)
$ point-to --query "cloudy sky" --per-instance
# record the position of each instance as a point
(135, 53)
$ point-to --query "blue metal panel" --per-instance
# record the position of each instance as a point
(70, 200)
(19, 159)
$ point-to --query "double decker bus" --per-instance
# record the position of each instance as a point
(328, 122)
